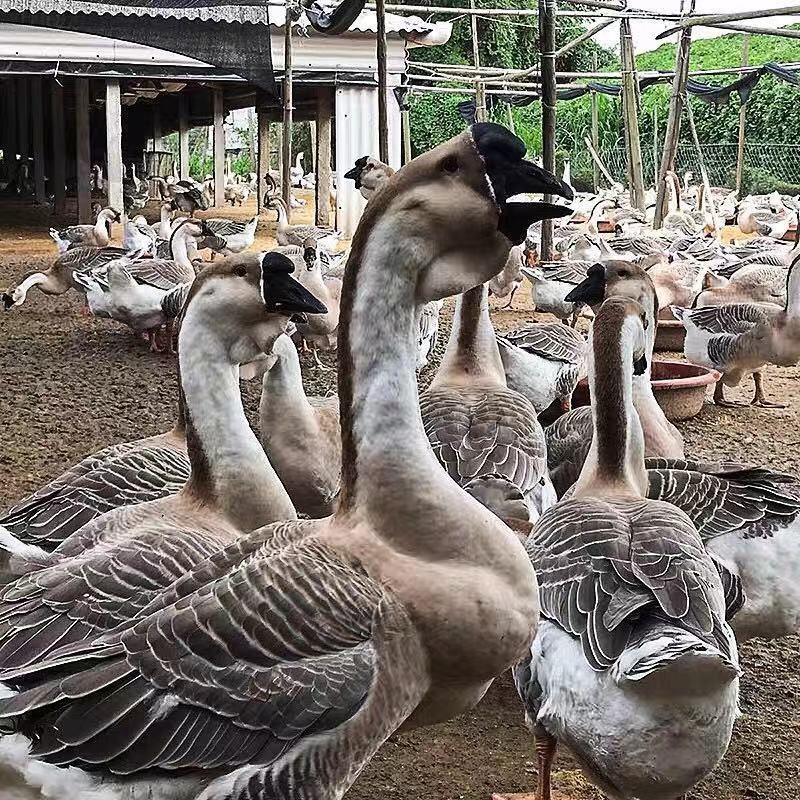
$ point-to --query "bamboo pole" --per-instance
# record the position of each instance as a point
(655, 144)
(547, 38)
(673, 122)
(585, 36)
(480, 88)
(383, 113)
(405, 119)
(527, 12)
(742, 120)
(715, 19)
(595, 129)
(631, 114)
(286, 144)
(599, 161)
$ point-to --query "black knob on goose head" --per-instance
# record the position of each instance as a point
(281, 292)
(592, 289)
(509, 174)
(354, 174)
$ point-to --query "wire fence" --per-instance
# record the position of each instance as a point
(766, 166)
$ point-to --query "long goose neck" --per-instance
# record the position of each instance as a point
(472, 355)
(390, 477)
(616, 457)
(230, 471)
(793, 290)
(180, 250)
(283, 399)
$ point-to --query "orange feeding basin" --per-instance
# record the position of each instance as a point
(679, 388)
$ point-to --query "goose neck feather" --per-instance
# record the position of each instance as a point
(229, 468)
(616, 457)
(472, 356)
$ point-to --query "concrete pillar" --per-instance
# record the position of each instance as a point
(114, 144)
(219, 149)
(263, 155)
(83, 158)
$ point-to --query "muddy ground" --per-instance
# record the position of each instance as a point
(71, 385)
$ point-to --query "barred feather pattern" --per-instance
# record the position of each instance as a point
(553, 341)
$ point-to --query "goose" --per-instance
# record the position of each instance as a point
(234, 236)
(676, 218)
(164, 225)
(475, 423)
(634, 666)
(138, 235)
(741, 338)
(509, 279)
(235, 312)
(369, 175)
(319, 330)
(300, 434)
(135, 193)
(569, 437)
(543, 362)
(114, 292)
(551, 282)
(58, 278)
(326, 238)
(419, 596)
(679, 281)
(98, 185)
(296, 172)
(236, 192)
(755, 283)
(189, 196)
(428, 331)
(97, 235)
(765, 221)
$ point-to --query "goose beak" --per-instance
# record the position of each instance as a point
(640, 365)
(8, 301)
(509, 174)
(353, 174)
(592, 289)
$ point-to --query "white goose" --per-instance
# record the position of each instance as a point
(97, 235)
(634, 667)
(406, 549)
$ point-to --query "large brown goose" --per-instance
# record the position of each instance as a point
(281, 672)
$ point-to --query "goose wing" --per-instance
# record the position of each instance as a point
(295, 665)
(163, 273)
(568, 441)
(751, 501)
(555, 342)
(567, 271)
(602, 567)
(477, 432)
(734, 318)
(225, 227)
(82, 259)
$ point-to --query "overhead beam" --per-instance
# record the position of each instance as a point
(714, 19)
(58, 178)
(183, 136)
(784, 33)
(322, 189)
(83, 155)
(114, 144)
(219, 148)
(37, 119)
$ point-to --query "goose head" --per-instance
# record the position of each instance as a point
(249, 300)
(369, 175)
(110, 214)
(448, 214)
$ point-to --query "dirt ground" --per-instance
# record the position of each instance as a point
(72, 385)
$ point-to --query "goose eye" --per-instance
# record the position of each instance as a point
(450, 164)
(240, 270)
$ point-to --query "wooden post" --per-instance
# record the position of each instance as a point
(480, 88)
(595, 128)
(547, 37)
(673, 122)
(286, 145)
(631, 116)
(263, 155)
(322, 190)
(155, 118)
(59, 176)
(23, 111)
(114, 144)
(219, 148)
(183, 136)
(655, 144)
(38, 139)
(83, 153)
(10, 149)
(383, 112)
(742, 120)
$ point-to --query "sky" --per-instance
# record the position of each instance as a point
(644, 31)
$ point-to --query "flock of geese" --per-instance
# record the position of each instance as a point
(205, 615)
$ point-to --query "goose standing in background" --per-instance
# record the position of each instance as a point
(509, 279)
(137, 235)
(232, 236)
(300, 434)
(551, 282)
(427, 331)
(326, 238)
(476, 425)
(398, 611)
(369, 175)
(544, 363)
(740, 339)
(634, 667)
(97, 235)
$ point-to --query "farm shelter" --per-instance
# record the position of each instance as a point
(85, 83)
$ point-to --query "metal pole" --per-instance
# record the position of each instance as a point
(286, 144)
(383, 113)
(742, 120)
(547, 38)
